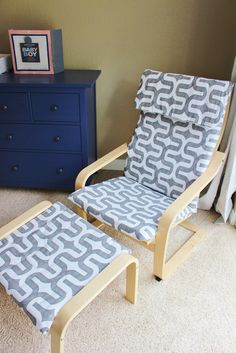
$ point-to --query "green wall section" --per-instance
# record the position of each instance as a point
(123, 37)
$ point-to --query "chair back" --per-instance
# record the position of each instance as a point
(179, 128)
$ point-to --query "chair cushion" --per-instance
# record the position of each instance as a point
(178, 130)
(44, 263)
(167, 155)
(126, 205)
(186, 98)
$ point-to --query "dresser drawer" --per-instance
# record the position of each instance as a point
(14, 106)
(39, 170)
(55, 107)
(40, 137)
(47, 128)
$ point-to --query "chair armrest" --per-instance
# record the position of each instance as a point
(191, 192)
(99, 164)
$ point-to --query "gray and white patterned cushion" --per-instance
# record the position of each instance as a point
(199, 100)
(168, 156)
(126, 205)
(179, 126)
(44, 263)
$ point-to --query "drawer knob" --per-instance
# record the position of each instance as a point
(4, 107)
(54, 108)
(57, 138)
(59, 170)
(14, 168)
(9, 137)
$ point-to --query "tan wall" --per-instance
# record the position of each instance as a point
(123, 37)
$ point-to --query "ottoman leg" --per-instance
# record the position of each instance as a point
(72, 308)
(132, 282)
(57, 342)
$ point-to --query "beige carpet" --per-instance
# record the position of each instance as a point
(192, 312)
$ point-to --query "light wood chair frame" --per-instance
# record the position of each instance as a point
(163, 268)
(72, 308)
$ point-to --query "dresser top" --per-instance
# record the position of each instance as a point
(71, 78)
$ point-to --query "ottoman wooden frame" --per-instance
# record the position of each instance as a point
(72, 308)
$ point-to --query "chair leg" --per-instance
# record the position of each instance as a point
(159, 259)
(162, 268)
(185, 250)
(132, 282)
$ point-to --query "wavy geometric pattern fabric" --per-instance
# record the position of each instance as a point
(126, 205)
(179, 126)
(194, 99)
(44, 263)
(178, 130)
(168, 156)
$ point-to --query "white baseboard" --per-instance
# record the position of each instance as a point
(118, 164)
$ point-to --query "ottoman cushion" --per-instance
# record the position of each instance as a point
(44, 263)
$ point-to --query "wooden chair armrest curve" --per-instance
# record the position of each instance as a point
(98, 164)
(191, 192)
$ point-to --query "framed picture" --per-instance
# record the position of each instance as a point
(36, 51)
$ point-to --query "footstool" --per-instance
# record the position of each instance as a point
(54, 263)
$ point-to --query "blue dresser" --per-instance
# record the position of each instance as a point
(47, 128)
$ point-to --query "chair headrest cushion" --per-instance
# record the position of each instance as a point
(185, 98)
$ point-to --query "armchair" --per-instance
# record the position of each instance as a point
(172, 157)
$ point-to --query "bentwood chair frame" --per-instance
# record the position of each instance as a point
(162, 267)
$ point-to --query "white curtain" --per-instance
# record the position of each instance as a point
(222, 188)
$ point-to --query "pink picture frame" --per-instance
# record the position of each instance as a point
(32, 51)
